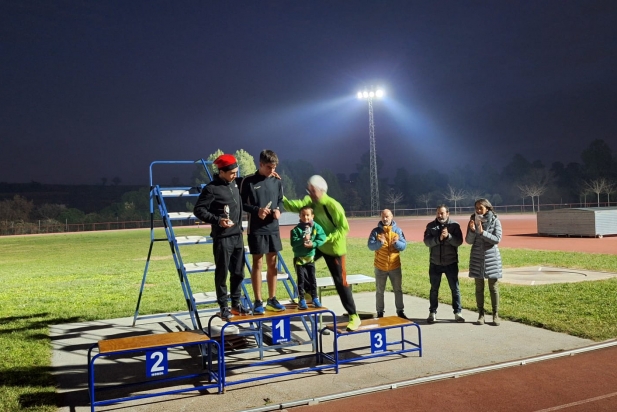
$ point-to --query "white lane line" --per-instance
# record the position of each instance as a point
(568, 405)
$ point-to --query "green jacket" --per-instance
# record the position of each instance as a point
(318, 237)
(330, 215)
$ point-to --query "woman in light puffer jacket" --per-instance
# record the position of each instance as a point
(484, 234)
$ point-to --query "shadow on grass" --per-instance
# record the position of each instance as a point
(34, 325)
(10, 319)
(32, 378)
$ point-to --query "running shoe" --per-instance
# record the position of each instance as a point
(226, 314)
(274, 305)
(401, 314)
(258, 307)
(239, 309)
(354, 322)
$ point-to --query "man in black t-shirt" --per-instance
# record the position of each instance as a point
(262, 199)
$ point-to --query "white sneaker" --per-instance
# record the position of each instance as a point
(432, 317)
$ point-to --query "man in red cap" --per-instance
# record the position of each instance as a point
(220, 205)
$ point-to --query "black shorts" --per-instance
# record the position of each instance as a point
(262, 244)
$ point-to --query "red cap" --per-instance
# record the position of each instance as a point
(226, 162)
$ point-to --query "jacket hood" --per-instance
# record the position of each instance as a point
(381, 225)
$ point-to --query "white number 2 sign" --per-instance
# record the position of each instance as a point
(156, 363)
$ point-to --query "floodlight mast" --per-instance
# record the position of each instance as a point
(369, 95)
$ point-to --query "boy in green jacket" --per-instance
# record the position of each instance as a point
(305, 238)
(330, 215)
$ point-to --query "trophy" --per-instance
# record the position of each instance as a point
(307, 235)
(226, 214)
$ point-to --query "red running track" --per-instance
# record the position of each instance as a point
(581, 383)
(519, 231)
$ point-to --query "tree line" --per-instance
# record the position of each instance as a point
(591, 182)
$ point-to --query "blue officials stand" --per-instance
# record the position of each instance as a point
(152, 352)
(158, 195)
(379, 343)
(279, 325)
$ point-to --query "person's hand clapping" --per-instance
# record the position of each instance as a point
(444, 233)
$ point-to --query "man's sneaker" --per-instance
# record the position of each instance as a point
(239, 309)
(459, 318)
(302, 304)
(354, 322)
(274, 305)
(258, 307)
(432, 317)
(317, 303)
(380, 314)
(401, 314)
(480, 319)
(226, 314)
(496, 320)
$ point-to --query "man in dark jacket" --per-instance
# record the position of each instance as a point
(220, 205)
(443, 236)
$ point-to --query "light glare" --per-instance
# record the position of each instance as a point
(359, 95)
(380, 93)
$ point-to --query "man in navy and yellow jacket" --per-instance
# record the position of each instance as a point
(387, 241)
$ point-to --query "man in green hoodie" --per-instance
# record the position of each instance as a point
(330, 215)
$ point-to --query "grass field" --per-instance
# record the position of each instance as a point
(57, 279)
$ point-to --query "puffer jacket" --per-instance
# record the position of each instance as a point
(387, 254)
(443, 252)
(485, 259)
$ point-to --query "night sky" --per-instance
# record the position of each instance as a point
(93, 89)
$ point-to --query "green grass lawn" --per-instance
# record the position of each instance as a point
(47, 280)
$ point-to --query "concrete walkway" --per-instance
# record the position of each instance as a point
(448, 347)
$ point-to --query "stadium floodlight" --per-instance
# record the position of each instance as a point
(369, 95)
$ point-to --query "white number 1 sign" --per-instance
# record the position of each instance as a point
(281, 330)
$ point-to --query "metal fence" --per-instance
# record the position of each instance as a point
(27, 228)
(30, 228)
(464, 210)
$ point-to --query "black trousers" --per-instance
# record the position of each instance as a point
(336, 265)
(307, 282)
(228, 257)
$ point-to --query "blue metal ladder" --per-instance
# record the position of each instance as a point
(157, 203)
(193, 300)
